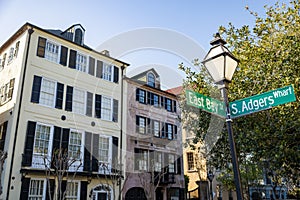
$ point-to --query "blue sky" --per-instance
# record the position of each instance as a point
(181, 24)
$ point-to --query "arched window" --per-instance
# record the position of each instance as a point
(101, 191)
(151, 80)
(78, 36)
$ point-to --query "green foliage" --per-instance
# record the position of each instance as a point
(269, 55)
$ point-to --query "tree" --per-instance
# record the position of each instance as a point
(58, 167)
(269, 55)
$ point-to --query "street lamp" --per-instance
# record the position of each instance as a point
(221, 64)
(210, 177)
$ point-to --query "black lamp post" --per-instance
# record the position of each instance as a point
(221, 64)
(210, 177)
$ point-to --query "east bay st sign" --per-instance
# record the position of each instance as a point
(244, 106)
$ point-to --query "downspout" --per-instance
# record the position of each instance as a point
(30, 31)
(121, 133)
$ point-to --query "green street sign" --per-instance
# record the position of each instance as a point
(205, 103)
(262, 101)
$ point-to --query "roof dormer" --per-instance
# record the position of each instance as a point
(75, 34)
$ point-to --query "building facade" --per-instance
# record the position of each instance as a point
(154, 167)
(60, 116)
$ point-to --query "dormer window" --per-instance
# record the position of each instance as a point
(151, 79)
(75, 34)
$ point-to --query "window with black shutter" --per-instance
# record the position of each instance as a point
(59, 95)
(69, 98)
(27, 157)
(116, 74)
(89, 104)
(36, 87)
(98, 106)
(72, 59)
(91, 66)
(99, 69)
(41, 47)
(115, 110)
(11, 88)
(63, 55)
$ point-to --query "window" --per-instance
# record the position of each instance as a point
(103, 149)
(6, 91)
(107, 72)
(72, 190)
(141, 159)
(190, 160)
(141, 124)
(17, 49)
(81, 62)
(78, 36)
(79, 101)
(75, 144)
(106, 108)
(52, 51)
(155, 100)
(2, 62)
(171, 163)
(169, 131)
(141, 95)
(156, 128)
(47, 94)
(11, 54)
(151, 80)
(36, 189)
(41, 140)
(168, 105)
(158, 161)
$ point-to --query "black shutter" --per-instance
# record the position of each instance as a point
(163, 130)
(36, 88)
(63, 55)
(149, 98)
(69, 98)
(89, 104)
(98, 106)
(137, 123)
(59, 95)
(115, 144)
(87, 152)
(99, 69)
(27, 157)
(91, 66)
(83, 190)
(52, 187)
(115, 110)
(65, 139)
(95, 164)
(116, 74)
(162, 101)
(136, 158)
(56, 145)
(3, 135)
(25, 189)
(148, 126)
(179, 165)
(63, 187)
(175, 132)
(72, 59)
(41, 47)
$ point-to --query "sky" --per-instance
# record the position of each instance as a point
(156, 34)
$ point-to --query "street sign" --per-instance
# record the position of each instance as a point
(262, 101)
(205, 103)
